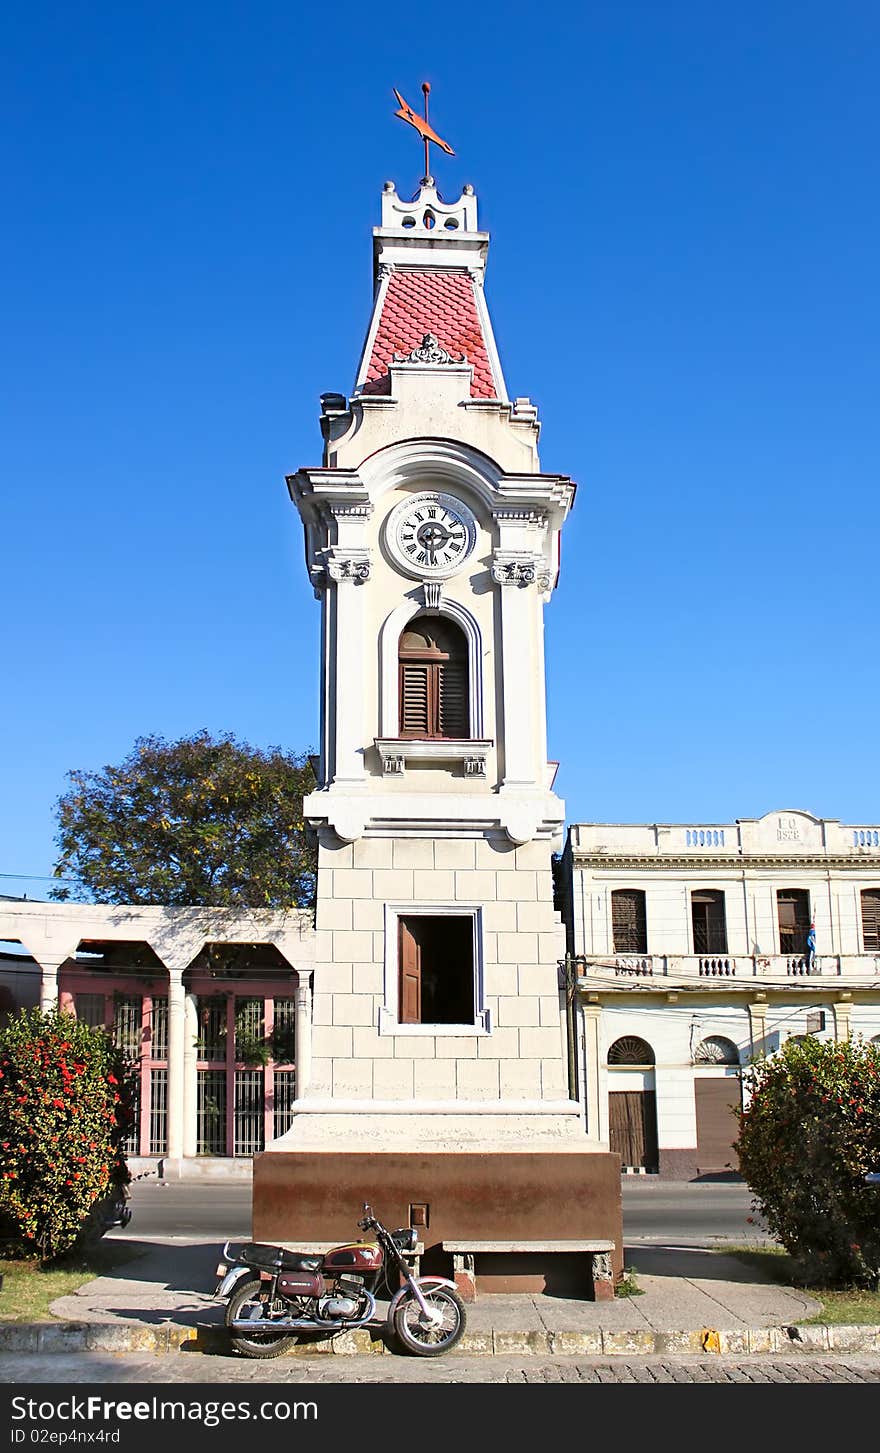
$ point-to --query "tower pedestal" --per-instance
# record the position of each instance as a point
(552, 1193)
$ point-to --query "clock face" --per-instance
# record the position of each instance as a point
(431, 535)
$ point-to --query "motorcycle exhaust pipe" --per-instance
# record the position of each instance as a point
(300, 1324)
(291, 1324)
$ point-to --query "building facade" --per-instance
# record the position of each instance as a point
(692, 954)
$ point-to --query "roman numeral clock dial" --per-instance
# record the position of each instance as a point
(430, 536)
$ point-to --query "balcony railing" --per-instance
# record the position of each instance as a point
(718, 967)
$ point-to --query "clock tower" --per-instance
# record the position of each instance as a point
(438, 1026)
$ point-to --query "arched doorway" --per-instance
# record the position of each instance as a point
(632, 1104)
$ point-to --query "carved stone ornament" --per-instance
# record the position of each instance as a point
(428, 351)
(349, 567)
(393, 766)
(524, 571)
(475, 766)
(431, 590)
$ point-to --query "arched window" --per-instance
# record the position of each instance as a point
(629, 921)
(630, 1050)
(716, 1050)
(433, 679)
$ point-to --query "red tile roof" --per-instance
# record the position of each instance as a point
(422, 302)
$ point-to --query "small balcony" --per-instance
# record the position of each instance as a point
(718, 968)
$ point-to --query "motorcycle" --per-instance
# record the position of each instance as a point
(277, 1296)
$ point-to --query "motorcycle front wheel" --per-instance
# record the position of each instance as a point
(245, 1304)
(424, 1336)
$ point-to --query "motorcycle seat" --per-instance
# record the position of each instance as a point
(275, 1258)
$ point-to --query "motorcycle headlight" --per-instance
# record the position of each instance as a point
(406, 1238)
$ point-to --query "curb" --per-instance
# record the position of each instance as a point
(58, 1337)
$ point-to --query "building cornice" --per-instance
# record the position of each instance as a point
(727, 862)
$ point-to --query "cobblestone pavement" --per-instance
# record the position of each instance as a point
(454, 1370)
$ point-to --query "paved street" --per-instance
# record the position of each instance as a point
(326, 1371)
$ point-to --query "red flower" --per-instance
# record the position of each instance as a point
(112, 1080)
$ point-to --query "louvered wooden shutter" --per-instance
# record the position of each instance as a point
(629, 921)
(414, 698)
(871, 919)
(409, 976)
(453, 699)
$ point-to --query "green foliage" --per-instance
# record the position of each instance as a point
(66, 1098)
(810, 1133)
(202, 821)
(628, 1286)
(283, 1044)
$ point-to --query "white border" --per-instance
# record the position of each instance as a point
(388, 1020)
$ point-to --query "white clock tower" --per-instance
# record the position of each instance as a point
(432, 539)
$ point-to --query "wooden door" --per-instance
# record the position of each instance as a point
(410, 975)
(717, 1126)
(793, 906)
(632, 1116)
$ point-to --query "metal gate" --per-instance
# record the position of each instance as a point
(245, 1070)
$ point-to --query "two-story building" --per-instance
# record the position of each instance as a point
(691, 954)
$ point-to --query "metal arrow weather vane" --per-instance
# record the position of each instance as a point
(426, 132)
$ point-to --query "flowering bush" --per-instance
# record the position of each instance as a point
(66, 1103)
(810, 1132)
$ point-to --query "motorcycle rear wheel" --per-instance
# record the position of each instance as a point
(245, 1301)
(419, 1336)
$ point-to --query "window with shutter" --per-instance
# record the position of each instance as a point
(433, 677)
(871, 919)
(629, 921)
(709, 921)
(414, 688)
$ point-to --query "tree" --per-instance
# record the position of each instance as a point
(202, 821)
(809, 1133)
(66, 1104)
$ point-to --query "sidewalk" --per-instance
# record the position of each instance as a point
(694, 1300)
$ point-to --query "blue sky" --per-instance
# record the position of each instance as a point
(683, 201)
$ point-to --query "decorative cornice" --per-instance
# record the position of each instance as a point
(733, 862)
(349, 511)
(529, 516)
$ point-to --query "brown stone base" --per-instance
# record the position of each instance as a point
(307, 1196)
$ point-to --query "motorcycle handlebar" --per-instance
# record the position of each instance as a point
(367, 1220)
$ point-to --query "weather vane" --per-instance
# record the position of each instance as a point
(426, 132)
